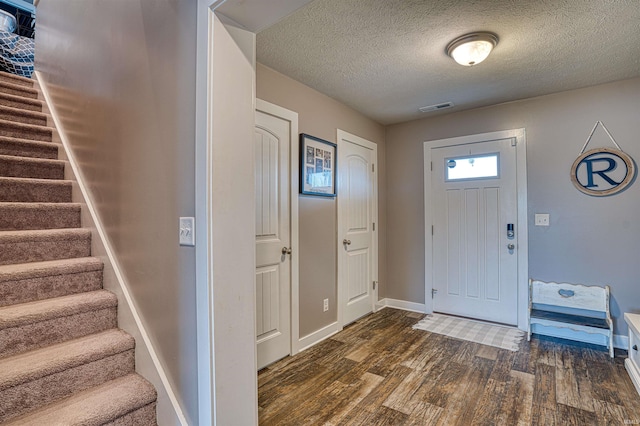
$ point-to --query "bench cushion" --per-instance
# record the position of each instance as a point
(570, 319)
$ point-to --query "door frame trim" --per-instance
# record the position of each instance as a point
(341, 136)
(522, 228)
(294, 154)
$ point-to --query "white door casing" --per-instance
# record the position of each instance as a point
(474, 271)
(472, 214)
(357, 217)
(276, 230)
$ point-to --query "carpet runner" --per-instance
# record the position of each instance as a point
(63, 361)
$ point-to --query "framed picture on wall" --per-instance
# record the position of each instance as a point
(317, 166)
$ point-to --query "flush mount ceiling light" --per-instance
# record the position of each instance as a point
(471, 49)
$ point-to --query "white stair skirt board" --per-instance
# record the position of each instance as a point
(473, 331)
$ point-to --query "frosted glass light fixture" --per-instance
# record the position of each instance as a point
(471, 49)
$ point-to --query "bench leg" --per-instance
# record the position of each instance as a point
(611, 344)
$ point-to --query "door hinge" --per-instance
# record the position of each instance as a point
(432, 166)
(514, 142)
(374, 284)
(431, 229)
(373, 168)
(374, 226)
(433, 292)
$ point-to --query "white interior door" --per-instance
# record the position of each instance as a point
(357, 240)
(273, 237)
(475, 266)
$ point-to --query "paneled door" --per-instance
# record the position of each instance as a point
(475, 266)
(273, 237)
(357, 241)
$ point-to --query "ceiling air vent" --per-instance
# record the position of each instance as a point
(436, 107)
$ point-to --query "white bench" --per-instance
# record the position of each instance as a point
(570, 311)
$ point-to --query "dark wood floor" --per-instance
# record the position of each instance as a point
(379, 371)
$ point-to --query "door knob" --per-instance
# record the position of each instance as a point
(347, 242)
(511, 246)
(286, 250)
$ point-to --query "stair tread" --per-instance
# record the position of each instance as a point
(28, 141)
(17, 77)
(41, 310)
(24, 126)
(94, 406)
(46, 268)
(26, 112)
(52, 359)
(33, 104)
(32, 160)
(20, 87)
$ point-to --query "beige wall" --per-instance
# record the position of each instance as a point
(321, 116)
(591, 240)
(122, 74)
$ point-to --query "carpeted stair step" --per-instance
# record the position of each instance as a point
(128, 400)
(20, 102)
(34, 325)
(16, 79)
(36, 379)
(25, 131)
(42, 245)
(26, 148)
(29, 282)
(10, 88)
(25, 216)
(23, 116)
(35, 190)
(26, 167)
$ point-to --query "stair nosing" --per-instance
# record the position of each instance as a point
(29, 366)
(36, 205)
(21, 314)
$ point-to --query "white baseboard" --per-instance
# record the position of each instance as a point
(401, 304)
(318, 336)
(146, 359)
(621, 341)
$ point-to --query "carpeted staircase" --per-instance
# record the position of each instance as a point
(63, 361)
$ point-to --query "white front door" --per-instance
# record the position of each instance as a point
(273, 237)
(475, 214)
(357, 213)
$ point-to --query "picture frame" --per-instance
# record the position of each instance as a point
(317, 166)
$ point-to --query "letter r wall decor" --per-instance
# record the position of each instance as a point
(602, 171)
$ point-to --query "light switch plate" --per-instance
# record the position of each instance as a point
(187, 231)
(542, 219)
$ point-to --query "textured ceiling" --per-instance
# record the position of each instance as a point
(385, 58)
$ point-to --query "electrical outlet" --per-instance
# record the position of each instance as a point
(542, 219)
(325, 305)
(187, 231)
